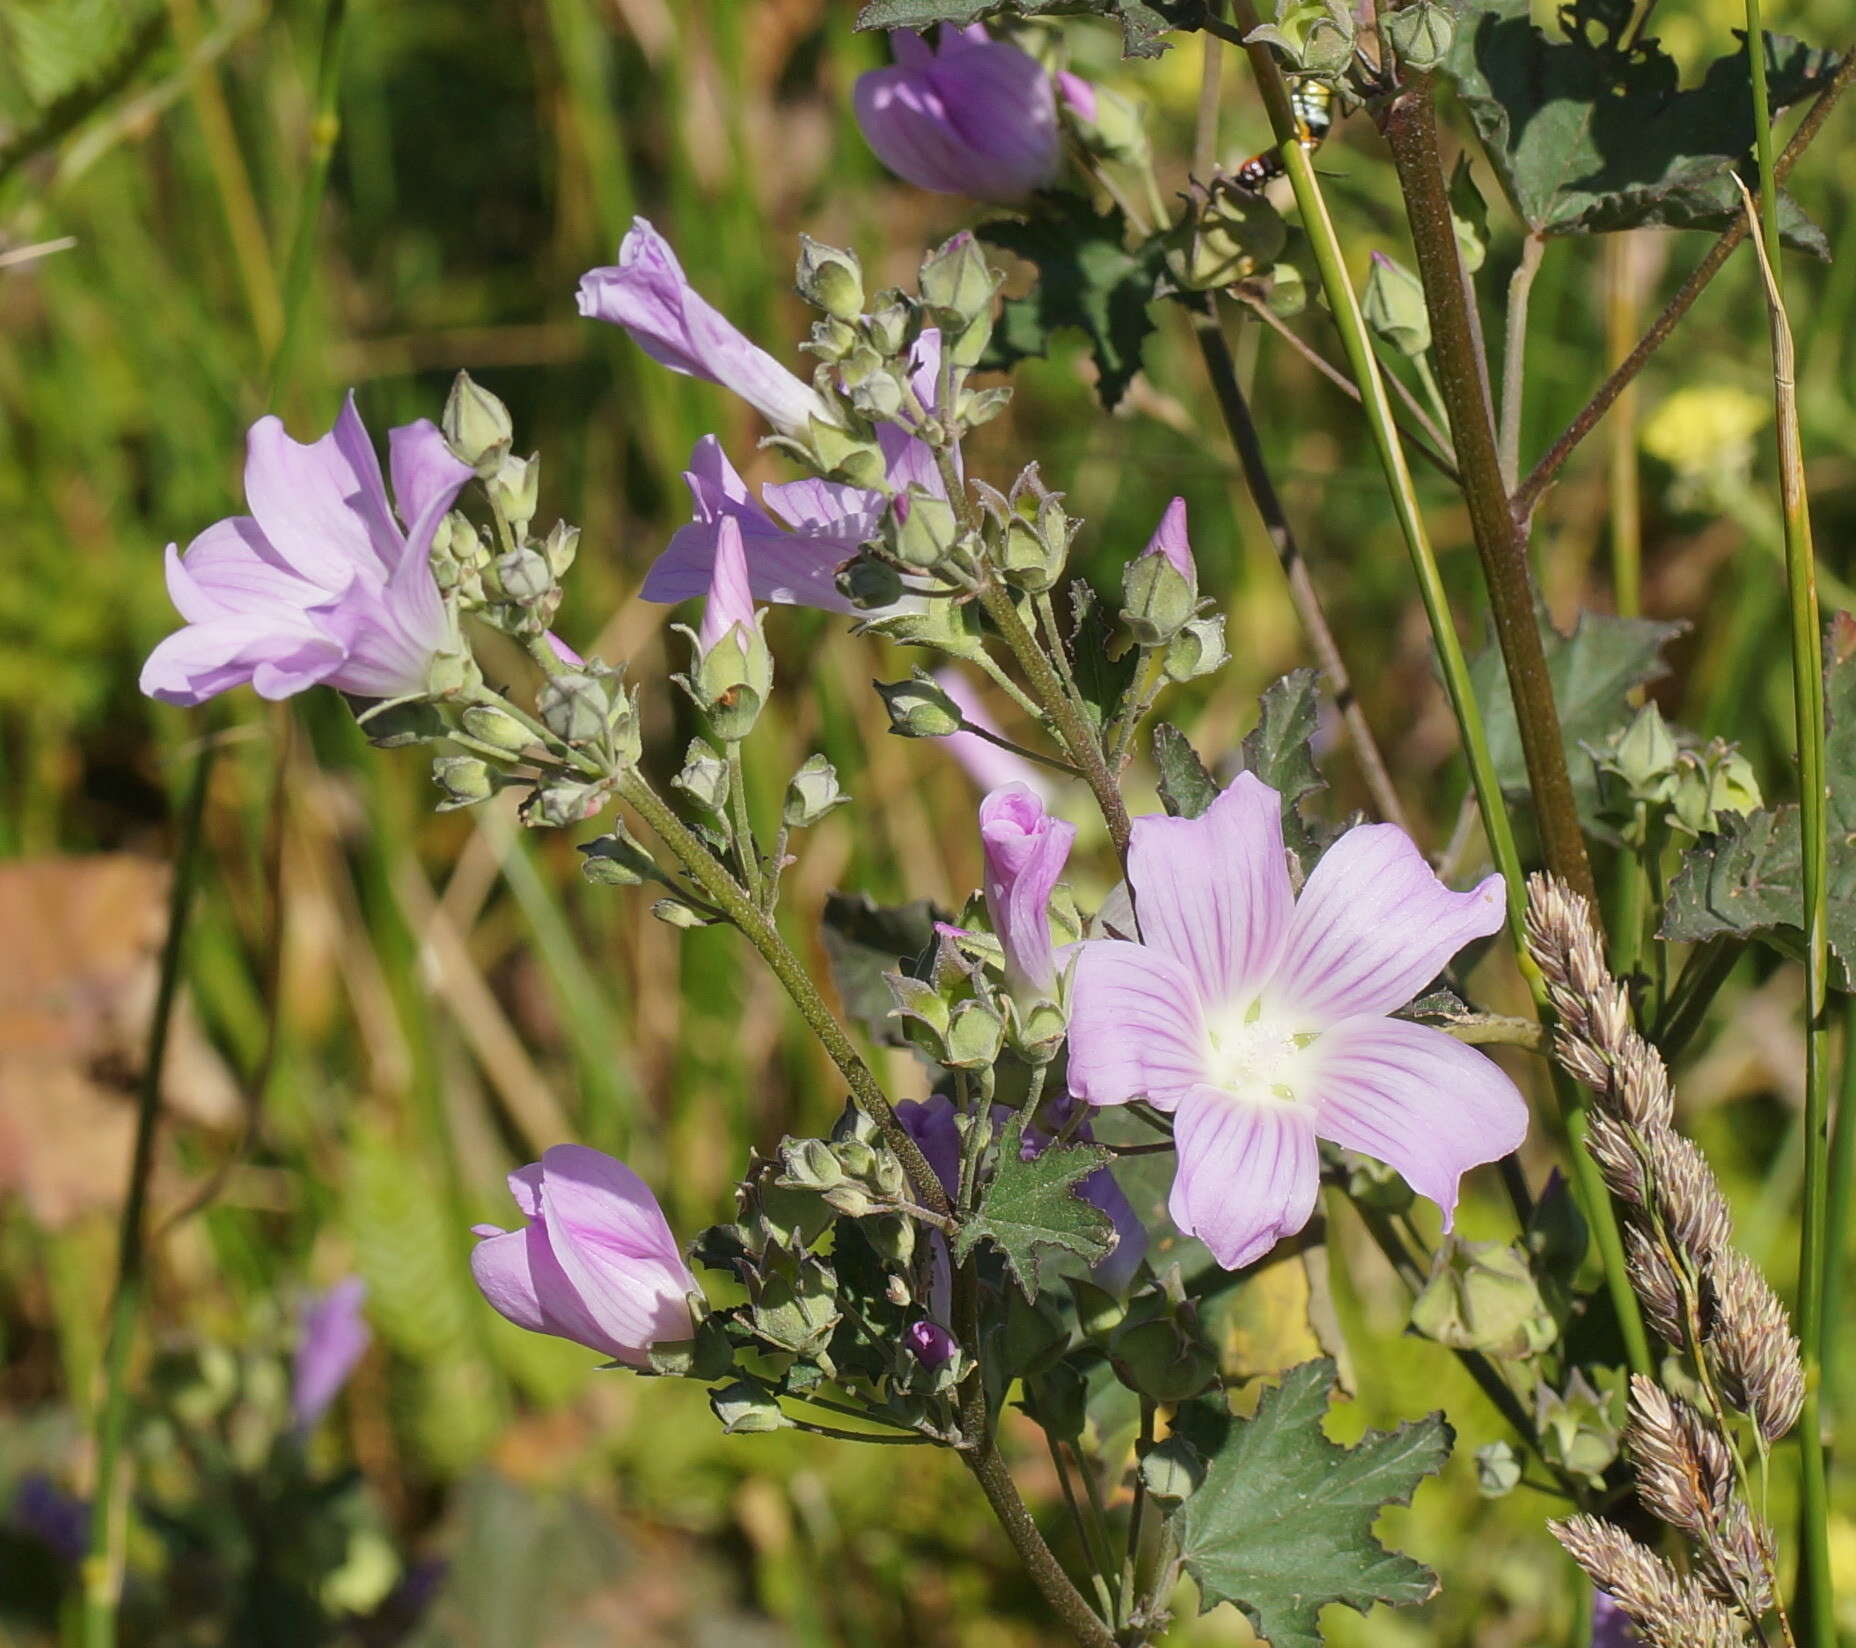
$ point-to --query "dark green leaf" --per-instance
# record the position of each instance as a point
(1277, 749)
(1283, 1522)
(1749, 880)
(1588, 137)
(1142, 21)
(1031, 1207)
(1593, 671)
(1087, 279)
(863, 941)
(1101, 680)
(1186, 788)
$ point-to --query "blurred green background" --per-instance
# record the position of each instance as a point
(388, 1009)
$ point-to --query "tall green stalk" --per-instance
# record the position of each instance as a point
(102, 1573)
(1816, 1584)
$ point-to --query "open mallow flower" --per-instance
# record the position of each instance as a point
(648, 294)
(1260, 1020)
(596, 1262)
(321, 584)
(969, 115)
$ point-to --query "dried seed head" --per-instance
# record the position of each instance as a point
(1581, 1059)
(1684, 1471)
(1654, 1283)
(1735, 1569)
(1618, 1160)
(1690, 1197)
(1751, 1338)
(1641, 1091)
(1668, 1610)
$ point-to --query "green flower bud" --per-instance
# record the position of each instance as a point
(918, 708)
(616, 861)
(1098, 1312)
(956, 277)
(1327, 48)
(980, 406)
(523, 577)
(1036, 547)
(1482, 1296)
(1038, 1031)
(704, 778)
(1394, 307)
(844, 456)
(852, 1200)
(872, 383)
(707, 1356)
(734, 680)
(747, 1410)
(575, 707)
(1172, 1469)
(1157, 600)
(893, 1236)
(975, 1033)
(562, 545)
(1419, 35)
(1498, 1469)
(831, 340)
(811, 793)
(391, 726)
(1198, 649)
(856, 1156)
(464, 780)
(1163, 1358)
(477, 426)
(497, 728)
(561, 803)
(920, 528)
(810, 1164)
(673, 912)
(947, 625)
(887, 326)
(918, 1000)
(1228, 238)
(515, 488)
(453, 675)
(1469, 215)
(829, 279)
(1288, 289)
(1645, 756)
(868, 581)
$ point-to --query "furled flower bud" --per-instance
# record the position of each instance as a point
(477, 425)
(733, 675)
(1198, 649)
(956, 278)
(918, 708)
(515, 488)
(332, 1338)
(596, 1262)
(1160, 588)
(1419, 34)
(1394, 307)
(560, 548)
(967, 116)
(704, 778)
(921, 528)
(616, 861)
(830, 279)
(522, 576)
(464, 780)
(575, 706)
(812, 792)
(1026, 850)
(497, 728)
(747, 1409)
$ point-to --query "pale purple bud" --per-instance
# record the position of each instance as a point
(332, 1338)
(596, 1262)
(648, 294)
(1026, 850)
(967, 116)
(731, 603)
(321, 584)
(1078, 94)
(1170, 540)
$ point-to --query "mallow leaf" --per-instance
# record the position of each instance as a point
(1279, 749)
(1142, 21)
(863, 941)
(1748, 882)
(1587, 136)
(1088, 281)
(1031, 1209)
(1186, 788)
(1593, 670)
(1282, 1523)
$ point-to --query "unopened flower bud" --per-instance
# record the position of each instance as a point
(856, 1157)
(852, 1200)
(956, 277)
(464, 780)
(975, 1033)
(868, 581)
(1036, 548)
(844, 456)
(1419, 34)
(1160, 588)
(830, 279)
(523, 576)
(1162, 1357)
(1198, 649)
(893, 1236)
(704, 778)
(562, 545)
(561, 803)
(1098, 1312)
(831, 340)
(1394, 307)
(1038, 1031)
(575, 707)
(811, 1164)
(811, 793)
(887, 325)
(1327, 47)
(1172, 1470)
(872, 383)
(921, 528)
(746, 1409)
(918, 708)
(616, 861)
(497, 728)
(918, 1000)
(673, 912)
(515, 488)
(477, 425)
(453, 674)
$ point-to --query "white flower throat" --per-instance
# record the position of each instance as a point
(1254, 1057)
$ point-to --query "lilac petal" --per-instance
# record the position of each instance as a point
(1611, 1627)
(648, 294)
(1374, 925)
(520, 1277)
(232, 568)
(930, 1123)
(1079, 94)
(334, 1336)
(1025, 852)
(831, 509)
(909, 462)
(1102, 1190)
(1136, 1025)
(907, 126)
(1171, 540)
(730, 604)
(322, 505)
(426, 474)
(205, 659)
(1248, 1174)
(1416, 1099)
(1001, 101)
(1213, 892)
(525, 1186)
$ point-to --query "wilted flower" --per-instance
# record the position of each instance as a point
(596, 1262)
(1259, 1020)
(967, 116)
(648, 294)
(332, 1338)
(1026, 850)
(320, 584)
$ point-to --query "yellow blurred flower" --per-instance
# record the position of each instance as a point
(1706, 429)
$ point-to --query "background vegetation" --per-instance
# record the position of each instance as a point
(389, 1009)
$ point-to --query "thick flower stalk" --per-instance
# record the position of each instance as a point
(596, 1261)
(969, 115)
(321, 584)
(1260, 1020)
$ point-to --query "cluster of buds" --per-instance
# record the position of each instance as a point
(952, 1016)
(1703, 1296)
(1649, 774)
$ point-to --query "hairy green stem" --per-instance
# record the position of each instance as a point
(735, 901)
(1514, 355)
(102, 1571)
(1409, 124)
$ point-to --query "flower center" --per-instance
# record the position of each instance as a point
(1254, 1058)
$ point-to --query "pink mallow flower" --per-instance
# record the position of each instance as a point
(1260, 1020)
(1025, 850)
(596, 1262)
(320, 584)
(969, 115)
(332, 1338)
(729, 610)
(648, 294)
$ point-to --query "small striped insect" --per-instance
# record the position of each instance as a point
(1313, 104)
